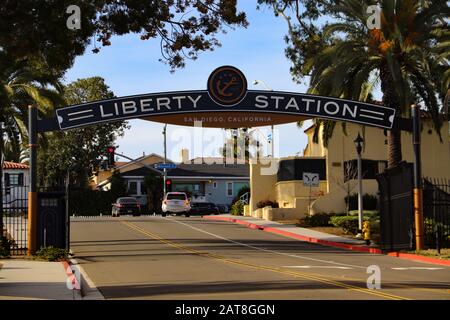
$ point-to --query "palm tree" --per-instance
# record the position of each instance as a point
(408, 57)
(21, 84)
(234, 145)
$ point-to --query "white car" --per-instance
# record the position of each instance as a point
(176, 202)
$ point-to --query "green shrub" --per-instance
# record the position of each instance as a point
(52, 254)
(318, 220)
(5, 247)
(348, 223)
(237, 209)
(267, 203)
(370, 202)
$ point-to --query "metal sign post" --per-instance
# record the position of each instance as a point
(312, 180)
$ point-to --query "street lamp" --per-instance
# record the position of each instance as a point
(359, 142)
(256, 82)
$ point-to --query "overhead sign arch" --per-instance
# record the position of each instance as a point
(225, 104)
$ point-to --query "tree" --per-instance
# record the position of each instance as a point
(39, 27)
(154, 186)
(118, 185)
(79, 149)
(22, 84)
(407, 56)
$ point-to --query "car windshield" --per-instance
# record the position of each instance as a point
(176, 196)
(126, 200)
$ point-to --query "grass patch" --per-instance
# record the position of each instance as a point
(52, 254)
(5, 247)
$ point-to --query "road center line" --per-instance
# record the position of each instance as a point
(266, 250)
(311, 277)
(319, 267)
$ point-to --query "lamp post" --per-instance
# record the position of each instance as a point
(359, 141)
(256, 82)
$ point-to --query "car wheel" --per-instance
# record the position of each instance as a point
(163, 214)
(187, 215)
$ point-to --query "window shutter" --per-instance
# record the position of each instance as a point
(20, 179)
(7, 182)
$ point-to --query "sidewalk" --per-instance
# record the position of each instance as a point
(304, 234)
(28, 279)
(291, 230)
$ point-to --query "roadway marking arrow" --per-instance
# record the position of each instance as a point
(417, 268)
(323, 267)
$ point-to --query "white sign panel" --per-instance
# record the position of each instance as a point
(311, 179)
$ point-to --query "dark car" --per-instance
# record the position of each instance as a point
(223, 208)
(126, 205)
(203, 208)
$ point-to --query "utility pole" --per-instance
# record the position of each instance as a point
(32, 194)
(418, 185)
(165, 158)
(256, 82)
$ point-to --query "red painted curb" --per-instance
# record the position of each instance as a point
(410, 256)
(407, 256)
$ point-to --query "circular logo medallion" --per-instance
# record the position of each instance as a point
(227, 86)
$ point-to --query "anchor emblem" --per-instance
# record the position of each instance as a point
(227, 86)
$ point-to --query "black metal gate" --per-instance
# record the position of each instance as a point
(14, 218)
(436, 207)
(396, 208)
(51, 220)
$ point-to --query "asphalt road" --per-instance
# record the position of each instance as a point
(151, 257)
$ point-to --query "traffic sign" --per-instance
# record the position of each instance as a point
(165, 166)
(310, 179)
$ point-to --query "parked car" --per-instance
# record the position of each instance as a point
(176, 202)
(126, 205)
(203, 208)
(223, 208)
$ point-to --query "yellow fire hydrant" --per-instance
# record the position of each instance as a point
(366, 232)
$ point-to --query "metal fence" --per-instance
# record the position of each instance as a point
(436, 203)
(14, 218)
(396, 208)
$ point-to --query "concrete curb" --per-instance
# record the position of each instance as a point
(416, 257)
(407, 256)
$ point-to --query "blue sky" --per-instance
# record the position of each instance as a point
(130, 66)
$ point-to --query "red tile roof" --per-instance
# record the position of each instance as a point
(13, 165)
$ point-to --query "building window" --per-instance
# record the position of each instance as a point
(293, 169)
(132, 187)
(230, 189)
(215, 185)
(370, 169)
(14, 179)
